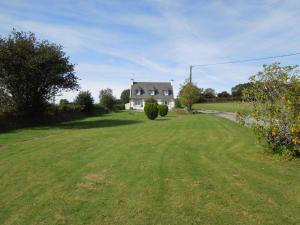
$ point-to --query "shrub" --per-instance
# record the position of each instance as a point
(118, 107)
(85, 100)
(163, 110)
(178, 103)
(151, 110)
(274, 96)
(151, 100)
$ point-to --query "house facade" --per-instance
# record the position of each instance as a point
(162, 92)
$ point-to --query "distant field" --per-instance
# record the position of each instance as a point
(122, 168)
(224, 107)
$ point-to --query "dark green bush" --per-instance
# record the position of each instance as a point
(151, 100)
(151, 110)
(178, 103)
(118, 107)
(163, 110)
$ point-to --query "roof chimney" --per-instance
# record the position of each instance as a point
(172, 82)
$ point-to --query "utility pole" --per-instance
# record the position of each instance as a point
(191, 68)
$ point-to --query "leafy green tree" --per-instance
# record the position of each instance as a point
(163, 110)
(107, 99)
(209, 93)
(32, 72)
(274, 95)
(189, 94)
(85, 100)
(125, 95)
(151, 110)
(237, 91)
(223, 94)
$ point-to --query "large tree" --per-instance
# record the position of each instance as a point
(223, 94)
(189, 94)
(32, 72)
(209, 93)
(85, 100)
(106, 98)
(125, 95)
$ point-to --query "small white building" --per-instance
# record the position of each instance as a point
(162, 92)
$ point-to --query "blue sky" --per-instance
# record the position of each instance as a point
(157, 40)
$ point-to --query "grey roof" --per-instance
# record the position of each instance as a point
(146, 87)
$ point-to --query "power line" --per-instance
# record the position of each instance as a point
(240, 61)
(247, 60)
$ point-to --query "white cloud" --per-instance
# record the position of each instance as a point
(111, 41)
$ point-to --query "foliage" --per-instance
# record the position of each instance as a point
(64, 102)
(6, 105)
(178, 103)
(189, 94)
(85, 100)
(209, 93)
(151, 110)
(224, 94)
(107, 99)
(151, 100)
(163, 110)
(274, 94)
(237, 91)
(125, 95)
(32, 72)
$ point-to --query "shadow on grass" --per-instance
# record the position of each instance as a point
(96, 124)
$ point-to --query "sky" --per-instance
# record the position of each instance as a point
(114, 41)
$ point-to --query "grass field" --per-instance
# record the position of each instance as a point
(224, 107)
(123, 169)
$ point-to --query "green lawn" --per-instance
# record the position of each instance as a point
(124, 169)
(224, 107)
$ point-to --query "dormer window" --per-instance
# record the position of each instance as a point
(152, 92)
(138, 91)
(166, 92)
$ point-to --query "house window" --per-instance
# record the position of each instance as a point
(138, 91)
(166, 92)
(166, 103)
(138, 103)
(152, 92)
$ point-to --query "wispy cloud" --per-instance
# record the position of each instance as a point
(158, 40)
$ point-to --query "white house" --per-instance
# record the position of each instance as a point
(162, 92)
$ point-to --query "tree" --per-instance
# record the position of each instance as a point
(85, 100)
(237, 91)
(274, 95)
(163, 110)
(5, 102)
(223, 94)
(32, 72)
(125, 95)
(107, 99)
(64, 102)
(189, 94)
(151, 110)
(209, 93)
